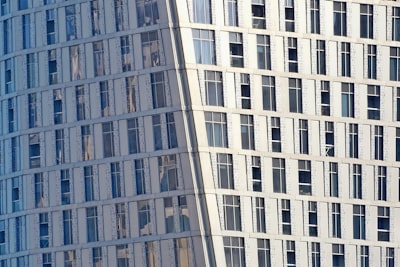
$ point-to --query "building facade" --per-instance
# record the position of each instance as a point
(199, 133)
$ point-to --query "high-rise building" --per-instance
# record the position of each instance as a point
(193, 133)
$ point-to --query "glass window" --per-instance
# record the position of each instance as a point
(336, 221)
(286, 217)
(201, 11)
(40, 200)
(383, 224)
(290, 250)
(263, 52)
(91, 224)
(169, 215)
(97, 257)
(69, 258)
(247, 131)
(389, 257)
(371, 61)
(34, 151)
(70, 21)
(345, 58)
(236, 49)
(333, 179)
(122, 255)
(397, 143)
(260, 215)
(157, 132)
(395, 23)
(140, 177)
(303, 136)
(276, 134)
(292, 55)
(5, 7)
(258, 14)
(268, 93)
(353, 140)
(74, 54)
(314, 17)
(312, 218)
(378, 139)
(397, 103)
(105, 99)
(168, 173)
(359, 222)
(158, 83)
(339, 18)
(44, 238)
(145, 225)
(232, 11)
(234, 251)
(133, 136)
(58, 106)
(264, 253)
(46, 260)
(225, 171)
(98, 58)
(95, 16)
(216, 126)
(305, 187)
(119, 15)
(214, 88)
(52, 64)
(232, 219)
(51, 26)
(67, 227)
(357, 181)
(31, 70)
(204, 46)
(3, 244)
(66, 185)
(182, 252)
(329, 139)
(130, 94)
(338, 255)
(9, 75)
(147, 12)
(11, 115)
(315, 254)
(245, 91)
(116, 180)
(295, 96)
(348, 100)
(8, 36)
(321, 57)
(108, 139)
(89, 183)
(150, 49)
(395, 63)
(60, 150)
(382, 184)
(289, 16)
(87, 141)
(256, 173)
(171, 130)
(80, 102)
(366, 21)
(183, 209)
(150, 253)
(278, 175)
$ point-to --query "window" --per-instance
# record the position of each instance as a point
(378, 138)
(140, 177)
(225, 171)
(168, 171)
(201, 11)
(150, 49)
(70, 18)
(204, 46)
(157, 132)
(264, 253)
(305, 187)
(286, 217)
(290, 249)
(183, 210)
(383, 224)
(263, 52)
(150, 250)
(80, 103)
(89, 183)
(16, 194)
(9, 75)
(214, 88)
(336, 221)
(122, 253)
(119, 15)
(374, 102)
(95, 18)
(11, 115)
(268, 93)
(91, 224)
(75, 66)
(382, 184)
(98, 58)
(338, 255)
(397, 103)
(182, 251)
(295, 96)
(312, 218)
(395, 23)
(69, 258)
(145, 225)
(147, 12)
(245, 92)
(236, 49)
(40, 200)
(314, 17)
(130, 94)
(339, 18)
(359, 222)
(303, 136)
(66, 185)
(51, 26)
(116, 180)
(247, 131)
(216, 126)
(397, 144)
(371, 61)
(389, 257)
(52, 64)
(31, 70)
(126, 57)
(20, 236)
(158, 89)
(333, 179)
(58, 106)
(44, 230)
(87, 141)
(5, 7)
(258, 14)
(97, 257)
(348, 100)
(278, 175)
(169, 215)
(232, 10)
(234, 251)
(357, 181)
(3, 243)
(292, 54)
(345, 58)
(260, 215)
(256, 173)
(104, 99)
(289, 15)
(395, 63)
(46, 260)
(366, 21)
(67, 227)
(353, 140)
(15, 154)
(171, 130)
(133, 136)
(276, 134)
(329, 139)
(108, 139)
(321, 57)
(60, 151)
(232, 213)
(315, 254)
(34, 151)
(8, 40)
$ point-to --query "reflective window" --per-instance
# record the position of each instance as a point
(51, 26)
(70, 18)
(168, 172)
(119, 15)
(33, 113)
(75, 65)
(34, 151)
(98, 56)
(91, 224)
(95, 17)
(58, 106)
(31, 70)
(339, 18)
(147, 12)
(52, 64)
(87, 141)
(133, 136)
(117, 180)
(333, 179)
(60, 150)
(89, 183)
(345, 59)
(145, 225)
(150, 49)
(108, 139)
(66, 185)
(140, 177)
(158, 84)
(371, 61)
(67, 227)
(126, 54)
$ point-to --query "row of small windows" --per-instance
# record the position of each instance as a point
(78, 68)
(205, 53)
(262, 13)
(147, 14)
